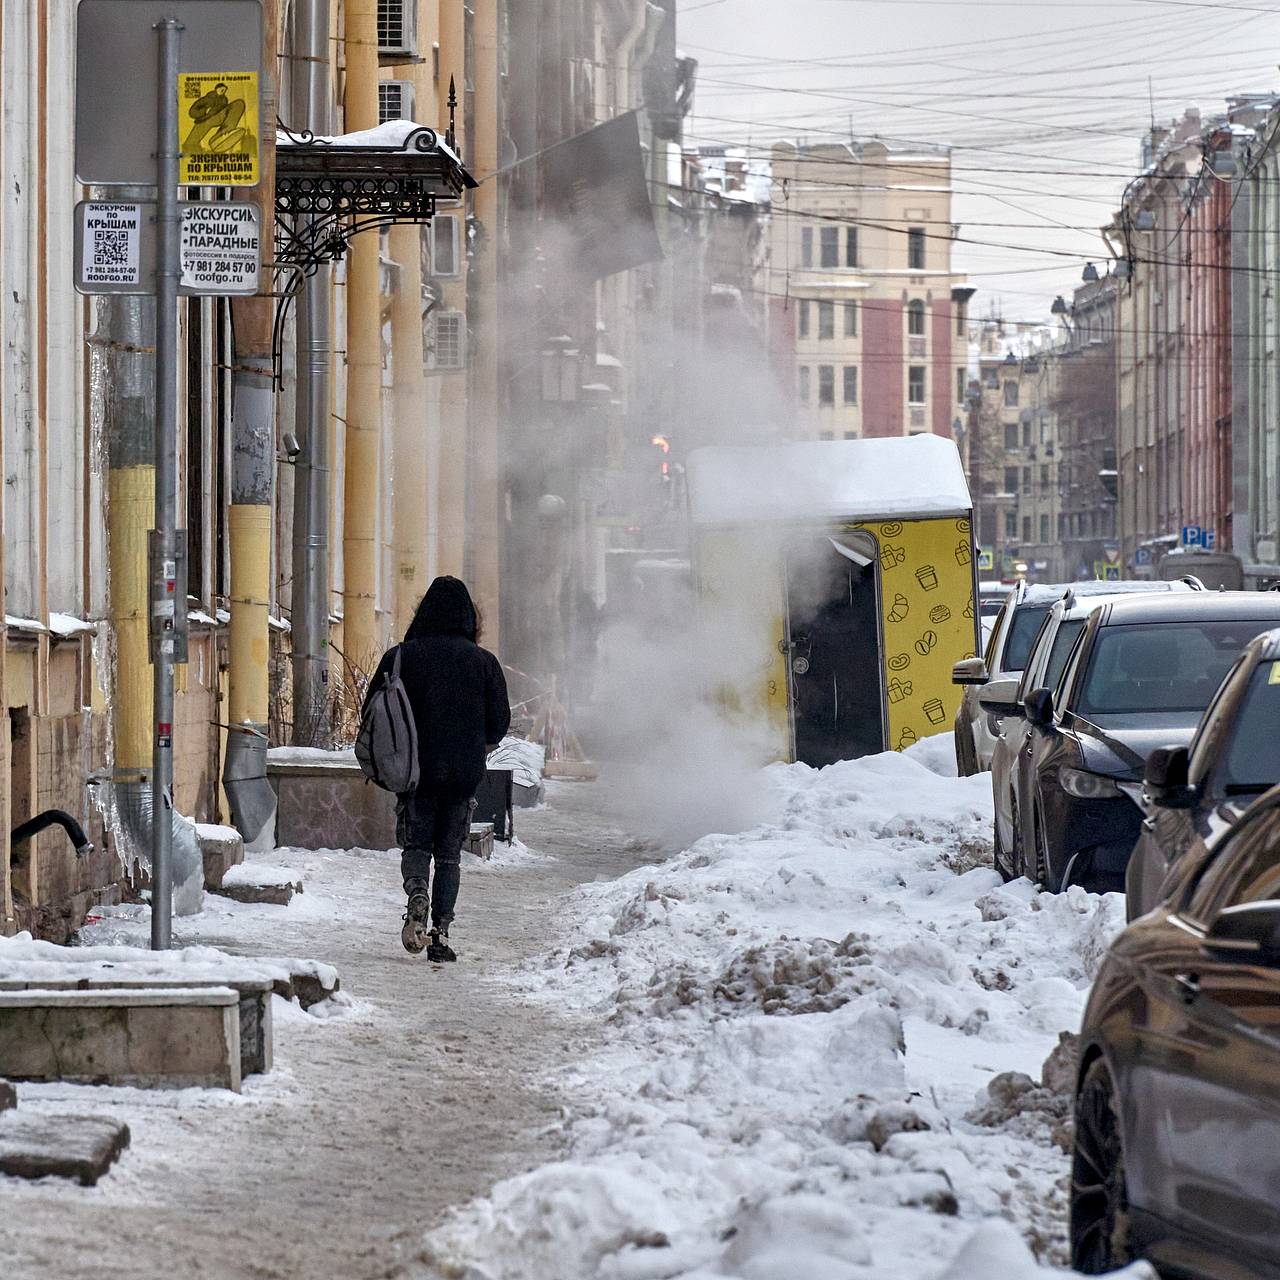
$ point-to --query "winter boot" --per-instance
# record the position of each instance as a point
(414, 934)
(438, 949)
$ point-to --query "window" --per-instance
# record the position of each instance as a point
(1044, 475)
(396, 27)
(1026, 435)
(1011, 436)
(962, 319)
(1011, 395)
(1027, 621)
(851, 246)
(1244, 871)
(1011, 479)
(850, 384)
(806, 246)
(826, 435)
(915, 318)
(445, 259)
(962, 385)
(915, 384)
(826, 320)
(1026, 528)
(830, 246)
(826, 384)
(802, 313)
(1010, 524)
(395, 100)
(915, 248)
(804, 384)
(1044, 529)
(850, 435)
(1026, 480)
(448, 348)
(850, 319)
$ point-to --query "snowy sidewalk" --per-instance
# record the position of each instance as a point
(800, 1020)
(419, 1090)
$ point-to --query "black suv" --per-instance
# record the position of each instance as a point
(1195, 795)
(1140, 677)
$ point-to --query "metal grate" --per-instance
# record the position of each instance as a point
(448, 349)
(395, 100)
(395, 26)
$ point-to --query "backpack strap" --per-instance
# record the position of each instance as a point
(395, 664)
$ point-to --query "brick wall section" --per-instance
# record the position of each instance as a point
(883, 368)
(942, 391)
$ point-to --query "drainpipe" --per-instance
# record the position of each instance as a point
(125, 347)
(309, 108)
(360, 639)
(244, 775)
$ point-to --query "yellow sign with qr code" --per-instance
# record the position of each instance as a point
(218, 129)
(1274, 677)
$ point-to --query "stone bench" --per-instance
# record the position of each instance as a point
(150, 1038)
(255, 1005)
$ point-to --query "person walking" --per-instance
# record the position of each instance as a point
(458, 696)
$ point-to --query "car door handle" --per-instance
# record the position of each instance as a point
(1189, 983)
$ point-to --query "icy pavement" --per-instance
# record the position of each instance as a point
(802, 1020)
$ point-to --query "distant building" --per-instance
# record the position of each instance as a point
(867, 315)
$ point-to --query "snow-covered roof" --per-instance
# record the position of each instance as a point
(388, 135)
(827, 480)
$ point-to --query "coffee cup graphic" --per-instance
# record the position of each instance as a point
(927, 577)
(935, 711)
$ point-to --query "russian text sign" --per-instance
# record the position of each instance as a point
(218, 129)
(109, 249)
(220, 248)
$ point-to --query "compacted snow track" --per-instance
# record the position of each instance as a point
(422, 1092)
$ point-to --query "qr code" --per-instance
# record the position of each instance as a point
(111, 248)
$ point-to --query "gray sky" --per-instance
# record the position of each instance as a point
(1044, 101)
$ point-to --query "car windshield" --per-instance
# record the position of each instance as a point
(1161, 666)
(1022, 634)
(1251, 761)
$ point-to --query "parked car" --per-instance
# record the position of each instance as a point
(1062, 625)
(1006, 653)
(1196, 794)
(1177, 1116)
(1140, 677)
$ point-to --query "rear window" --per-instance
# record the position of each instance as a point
(1022, 635)
(1164, 666)
(1251, 761)
(1068, 632)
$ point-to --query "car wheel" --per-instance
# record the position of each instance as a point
(1003, 859)
(1015, 852)
(1040, 871)
(1100, 1229)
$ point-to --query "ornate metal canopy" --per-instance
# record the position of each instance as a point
(328, 191)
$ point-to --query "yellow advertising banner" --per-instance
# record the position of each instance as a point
(218, 128)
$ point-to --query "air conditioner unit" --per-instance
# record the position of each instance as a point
(446, 260)
(448, 341)
(395, 100)
(397, 32)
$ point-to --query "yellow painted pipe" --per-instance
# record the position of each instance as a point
(249, 528)
(131, 513)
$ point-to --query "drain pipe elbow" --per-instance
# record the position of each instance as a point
(50, 818)
(249, 792)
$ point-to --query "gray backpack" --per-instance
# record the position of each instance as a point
(387, 744)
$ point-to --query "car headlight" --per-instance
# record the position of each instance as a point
(1087, 786)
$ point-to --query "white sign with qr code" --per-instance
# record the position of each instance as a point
(112, 236)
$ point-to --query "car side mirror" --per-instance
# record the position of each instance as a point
(1165, 776)
(1000, 697)
(1039, 707)
(970, 671)
(1249, 932)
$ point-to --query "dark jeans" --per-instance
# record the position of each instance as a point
(433, 826)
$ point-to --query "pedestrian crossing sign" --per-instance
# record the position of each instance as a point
(218, 131)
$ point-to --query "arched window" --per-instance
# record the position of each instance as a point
(915, 318)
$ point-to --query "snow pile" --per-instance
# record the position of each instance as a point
(525, 759)
(260, 875)
(802, 1019)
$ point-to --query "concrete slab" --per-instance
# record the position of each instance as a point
(256, 1048)
(276, 895)
(329, 804)
(42, 1146)
(172, 1038)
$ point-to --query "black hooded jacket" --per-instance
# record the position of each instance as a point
(456, 689)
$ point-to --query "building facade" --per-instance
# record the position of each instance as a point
(867, 315)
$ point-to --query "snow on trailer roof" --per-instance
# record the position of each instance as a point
(827, 480)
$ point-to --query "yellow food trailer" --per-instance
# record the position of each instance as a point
(835, 586)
